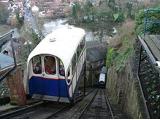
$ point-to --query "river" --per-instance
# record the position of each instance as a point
(50, 26)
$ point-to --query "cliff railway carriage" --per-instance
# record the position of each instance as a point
(55, 65)
(102, 77)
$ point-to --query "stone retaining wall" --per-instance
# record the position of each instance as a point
(124, 90)
(16, 87)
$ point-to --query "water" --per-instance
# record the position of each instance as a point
(98, 35)
(48, 27)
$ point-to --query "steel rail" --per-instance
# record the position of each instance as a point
(88, 104)
(144, 99)
(19, 111)
(56, 112)
(109, 105)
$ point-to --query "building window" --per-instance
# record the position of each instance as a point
(37, 65)
(50, 65)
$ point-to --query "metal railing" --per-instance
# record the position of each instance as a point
(3, 40)
(6, 37)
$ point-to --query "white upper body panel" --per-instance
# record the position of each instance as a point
(61, 43)
(102, 77)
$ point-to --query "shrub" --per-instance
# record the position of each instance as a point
(151, 27)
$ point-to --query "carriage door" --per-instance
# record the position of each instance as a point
(63, 90)
(35, 83)
(50, 76)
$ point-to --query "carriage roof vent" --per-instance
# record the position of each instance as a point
(52, 39)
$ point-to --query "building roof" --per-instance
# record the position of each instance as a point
(61, 43)
(5, 61)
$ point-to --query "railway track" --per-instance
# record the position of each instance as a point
(19, 111)
(98, 108)
(43, 110)
(94, 105)
(95, 101)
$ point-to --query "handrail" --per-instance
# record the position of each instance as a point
(145, 105)
(139, 82)
(4, 36)
(10, 68)
(14, 57)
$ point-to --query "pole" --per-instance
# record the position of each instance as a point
(13, 51)
(84, 79)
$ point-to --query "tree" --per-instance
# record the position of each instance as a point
(19, 19)
(129, 9)
(111, 4)
(76, 11)
(4, 14)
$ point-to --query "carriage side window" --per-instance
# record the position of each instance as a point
(36, 64)
(82, 44)
(80, 48)
(68, 74)
(78, 51)
(50, 65)
(73, 63)
(61, 69)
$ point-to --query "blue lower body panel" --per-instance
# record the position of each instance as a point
(50, 87)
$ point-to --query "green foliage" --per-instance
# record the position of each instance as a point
(112, 4)
(4, 14)
(151, 28)
(111, 53)
(19, 19)
(119, 58)
(118, 17)
(129, 6)
(123, 55)
(35, 39)
(25, 53)
(83, 13)
(122, 58)
(27, 48)
(76, 8)
(88, 11)
(115, 16)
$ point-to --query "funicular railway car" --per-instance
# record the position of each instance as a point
(55, 65)
(102, 77)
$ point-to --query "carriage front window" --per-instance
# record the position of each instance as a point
(36, 64)
(50, 65)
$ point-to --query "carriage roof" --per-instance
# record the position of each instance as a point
(61, 43)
